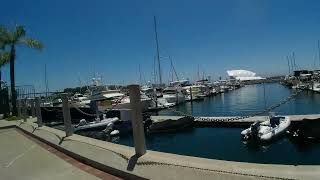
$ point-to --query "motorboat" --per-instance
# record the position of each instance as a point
(266, 130)
(195, 91)
(119, 128)
(81, 100)
(95, 125)
(173, 95)
(315, 87)
(117, 100)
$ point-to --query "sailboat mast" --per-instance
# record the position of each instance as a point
(288, 64)
(174, 69)
(294, 61)
(198, 72)
(140, 76)
(157, 43)
(154, 71)
(319, 51)
(45, 79)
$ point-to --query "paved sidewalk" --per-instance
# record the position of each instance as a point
(21, 158)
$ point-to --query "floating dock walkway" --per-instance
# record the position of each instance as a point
(226, 121)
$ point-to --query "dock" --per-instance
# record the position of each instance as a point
(230, 121)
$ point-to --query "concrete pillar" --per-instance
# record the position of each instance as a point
(137, 124)
(32, 106)
(19, 107)
(66, 115)
(38, 111)
(155, 97)
(24, 109)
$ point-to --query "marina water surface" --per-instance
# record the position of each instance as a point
(225, 143)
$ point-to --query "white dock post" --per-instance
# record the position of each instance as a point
(137, 124)
(38, 111)
(66, 115)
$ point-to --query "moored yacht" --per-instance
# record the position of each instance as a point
(315, 87)
(81, 100)
(174, 95)
(117, 100)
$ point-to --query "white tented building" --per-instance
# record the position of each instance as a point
(243, 75)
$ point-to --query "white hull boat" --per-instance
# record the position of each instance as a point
(266, 130)
(84, 125)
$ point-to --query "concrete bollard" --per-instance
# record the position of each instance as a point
(32, 106)
(38, 111)
(66, 115)
(137, 124)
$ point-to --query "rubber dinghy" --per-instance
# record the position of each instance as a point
(95, 125)
(267, 130)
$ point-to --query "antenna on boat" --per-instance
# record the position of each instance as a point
(157, 43)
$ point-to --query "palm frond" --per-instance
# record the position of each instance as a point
(2, 44)
(32, 43)
(6, 36)
(4, 58)
(19, 32)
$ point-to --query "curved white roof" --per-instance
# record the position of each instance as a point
(241, 73)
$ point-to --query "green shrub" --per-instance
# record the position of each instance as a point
(12, 118)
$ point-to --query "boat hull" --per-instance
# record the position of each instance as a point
(170, 125)
(266, 131)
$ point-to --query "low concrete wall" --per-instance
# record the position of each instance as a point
(119, 160)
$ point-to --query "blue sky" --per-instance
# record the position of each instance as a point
(113, 37)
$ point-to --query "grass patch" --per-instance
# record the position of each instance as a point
(12, 118)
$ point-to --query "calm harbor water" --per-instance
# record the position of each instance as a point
(225, 143)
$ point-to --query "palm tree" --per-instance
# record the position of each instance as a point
(14, 38)
(4, 58)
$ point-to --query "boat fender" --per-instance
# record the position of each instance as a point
(114, 132)
(82, 122)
